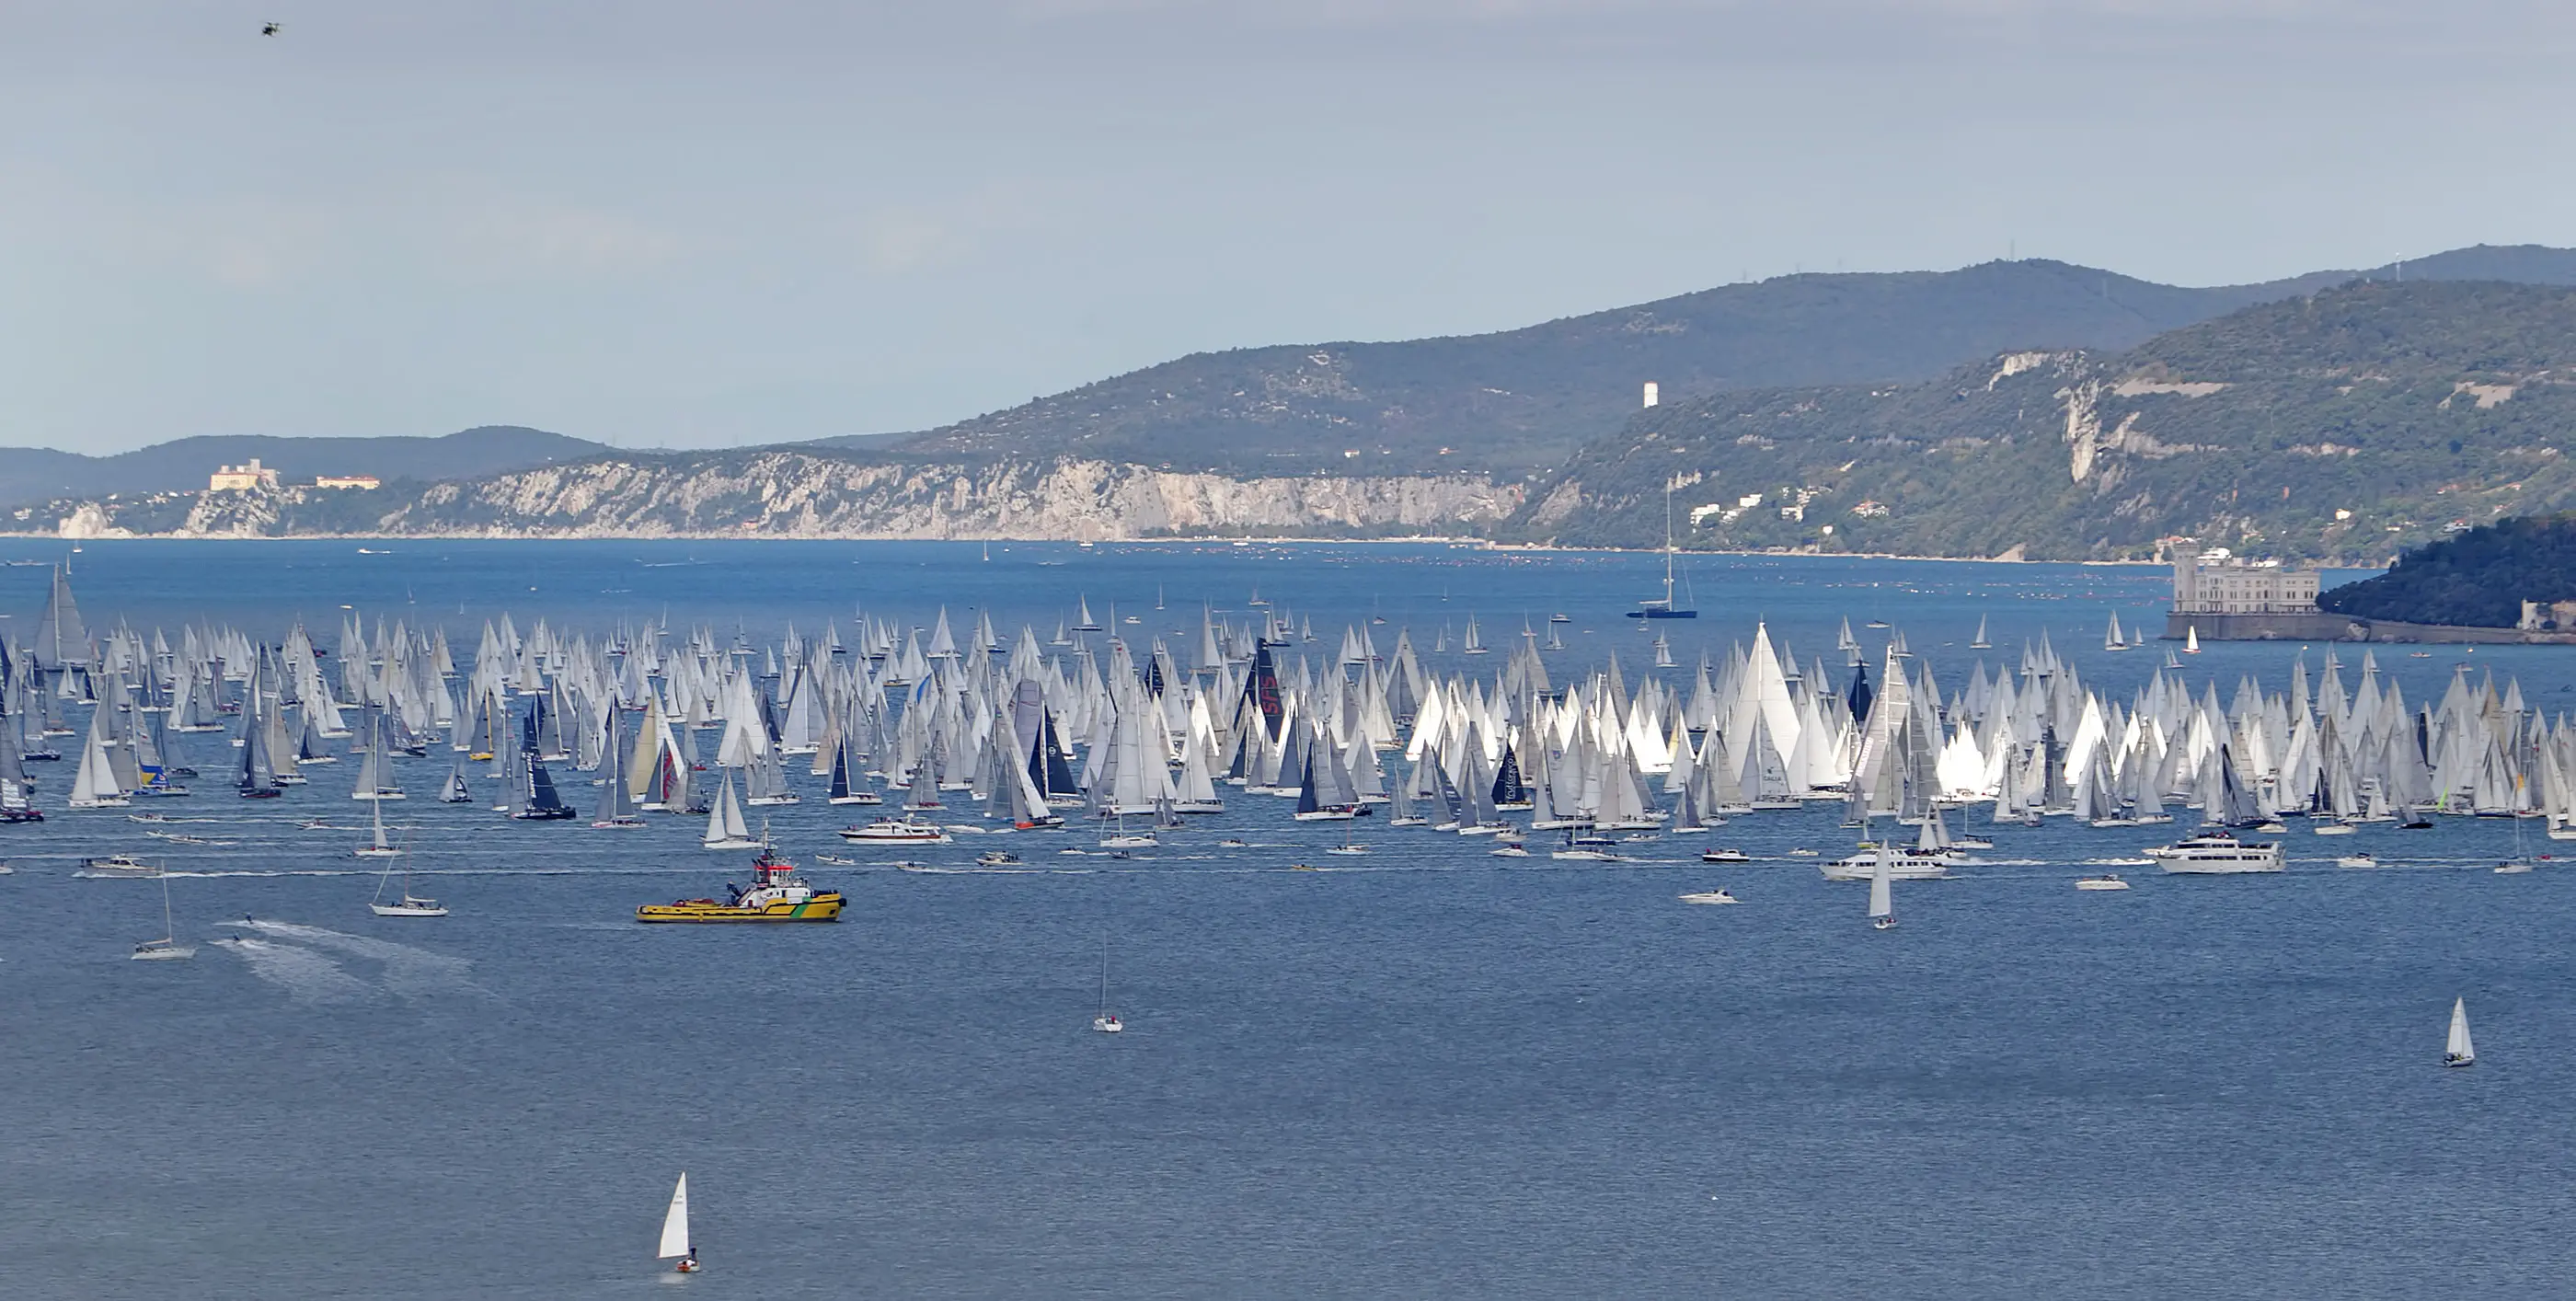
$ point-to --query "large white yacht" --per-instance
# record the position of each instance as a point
(1902, 865)
(2214, 851)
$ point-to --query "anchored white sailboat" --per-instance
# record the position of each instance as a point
(1106, 1022)
(2458, 1052)
(407, 904)
(1980, 642)
(169, 949)
(675, 1230)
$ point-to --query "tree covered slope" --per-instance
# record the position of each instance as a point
(2341, 425)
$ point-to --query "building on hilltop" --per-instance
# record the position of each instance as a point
(361, 482)
(2216, 582)
(241, 478)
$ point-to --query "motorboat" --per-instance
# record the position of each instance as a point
(1510, 849)
(1708, 896)
(1902, 865)
(996, 858)
(2356, 860)
(2333, 829)
(897, 831)
(2106, 881)
(2216, 852)
(117, 865)
(1724, 856)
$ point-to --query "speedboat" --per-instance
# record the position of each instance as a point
(1584, 855)
(1232, 843)
(2106, 881)
(776, 895)
(1724, 856)
(1510, 849)
(2356, 860)
(1708, 896)
(2216, 852)
(1802, 853)
(996, 858)
(117, 865)
(903, 831)
(2333, 829)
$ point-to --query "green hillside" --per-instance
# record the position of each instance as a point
(1522, 400)
(2343, 426)
(2479, 578)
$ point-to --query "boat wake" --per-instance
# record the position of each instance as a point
(408, 971)
(307, 976)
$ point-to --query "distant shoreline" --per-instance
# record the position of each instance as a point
(1472, 543)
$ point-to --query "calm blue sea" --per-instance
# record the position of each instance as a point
(1428, 1072)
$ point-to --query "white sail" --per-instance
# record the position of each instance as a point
(725, 827)
(675, 1222)
(1882, 902)
(2459, 1052)
(94, 786)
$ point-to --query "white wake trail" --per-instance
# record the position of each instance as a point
(409, 971)
(308, 976)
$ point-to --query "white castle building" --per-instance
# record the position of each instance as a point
(2217, 582)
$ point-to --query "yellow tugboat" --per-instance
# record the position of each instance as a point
(775, 896)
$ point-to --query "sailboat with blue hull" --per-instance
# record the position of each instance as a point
(1664, 608)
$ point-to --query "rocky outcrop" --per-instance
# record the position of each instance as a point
(790, 493)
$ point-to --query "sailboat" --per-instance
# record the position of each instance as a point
(2458, 1052)
(2111, 639)
(1980, 642)
(1663, 608)
(675, 1230)
(1107, 1022)
(379, 847)
(95, 785)
(409, 905)
(725, 827)
(1882, 900)
(1475, 642)
(1085, 623)
(169, 949)
(2191, 640)
(1663, 652)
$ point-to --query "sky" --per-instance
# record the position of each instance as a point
(662, 224)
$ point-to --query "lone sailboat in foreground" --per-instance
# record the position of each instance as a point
(2458, 1052)
(169, 949)
(1663, 608)
(675, 1230)
(1107, 1022)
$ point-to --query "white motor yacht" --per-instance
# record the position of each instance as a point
(2216, 852)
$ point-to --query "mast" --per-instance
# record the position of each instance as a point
(1668, 544)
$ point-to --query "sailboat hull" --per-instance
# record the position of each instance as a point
(1663, 614)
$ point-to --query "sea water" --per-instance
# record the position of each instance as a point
(1421, 1071)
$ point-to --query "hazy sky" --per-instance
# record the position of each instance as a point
(677, 224)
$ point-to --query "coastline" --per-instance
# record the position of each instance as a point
(1455, 541)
